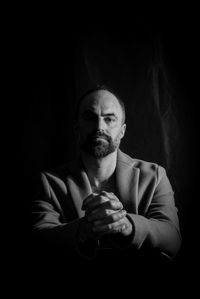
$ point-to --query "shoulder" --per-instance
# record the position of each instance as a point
(55, 176)
(146, 168)
(59, 174)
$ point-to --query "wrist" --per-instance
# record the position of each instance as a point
(82, 234)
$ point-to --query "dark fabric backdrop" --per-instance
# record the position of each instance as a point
(150, 62)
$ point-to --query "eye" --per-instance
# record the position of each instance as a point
(89, 116)
(109, 119)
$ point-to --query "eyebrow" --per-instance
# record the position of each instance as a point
(110, 114)
(105, 114)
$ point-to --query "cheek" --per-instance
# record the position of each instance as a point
(118, 134)
(84, 125)
(84, 130)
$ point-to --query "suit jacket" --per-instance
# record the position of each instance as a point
(142, 187)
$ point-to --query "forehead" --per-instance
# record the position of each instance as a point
(102, 100)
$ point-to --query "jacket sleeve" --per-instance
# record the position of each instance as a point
(158, 227)
(50, 226)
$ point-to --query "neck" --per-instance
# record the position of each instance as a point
(99, 171)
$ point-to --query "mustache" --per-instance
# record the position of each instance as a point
(99, 134)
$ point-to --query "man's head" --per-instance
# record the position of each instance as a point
(100, 122)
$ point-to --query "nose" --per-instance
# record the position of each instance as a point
(100, 124)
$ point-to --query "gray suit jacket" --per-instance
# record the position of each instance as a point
(142, 187)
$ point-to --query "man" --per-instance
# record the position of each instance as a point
(105, 201)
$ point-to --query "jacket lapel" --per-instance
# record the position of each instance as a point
(79, 185)
(127, 177)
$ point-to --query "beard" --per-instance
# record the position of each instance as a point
(99, 145)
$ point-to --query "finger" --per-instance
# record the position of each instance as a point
(95, 203)
(114, 217)
(113, 204)
(114, 227)
(99, 213)
(87, 200)
(110, 195)
(104, 207)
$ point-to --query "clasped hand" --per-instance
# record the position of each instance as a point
(104, 214)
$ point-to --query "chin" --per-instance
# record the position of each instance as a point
(102, 152)
(100, 149)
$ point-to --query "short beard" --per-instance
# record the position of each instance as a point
(99, 148)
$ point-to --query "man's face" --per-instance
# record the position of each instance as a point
(100, 124)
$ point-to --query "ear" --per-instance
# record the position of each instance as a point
(123, 130)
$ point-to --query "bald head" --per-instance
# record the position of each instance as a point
(102, 94)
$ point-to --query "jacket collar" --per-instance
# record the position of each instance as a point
(126, 177)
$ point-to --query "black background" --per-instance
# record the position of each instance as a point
(46, 80)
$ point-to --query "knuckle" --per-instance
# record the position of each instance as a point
(120, 215)
(124, 226)
(112, 217)
(110, 226)
(102, 199)
(116, 204)
(113, 203)
(120, 204)
(107, 212)
(120, 222)
(116, 216)
(123, 213)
